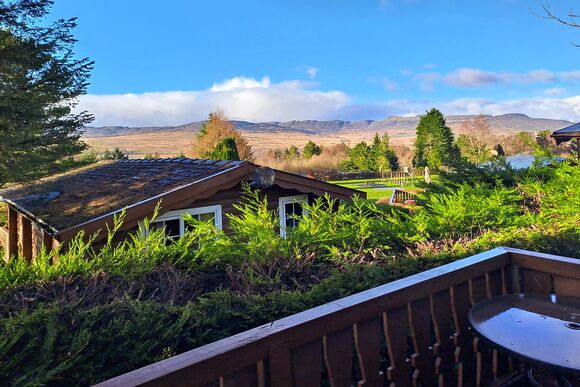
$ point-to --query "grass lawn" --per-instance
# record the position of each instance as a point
(375, 188)
(372, 188)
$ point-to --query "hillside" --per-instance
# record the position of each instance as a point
(172, 140)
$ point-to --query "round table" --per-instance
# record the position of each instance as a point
(541, 330)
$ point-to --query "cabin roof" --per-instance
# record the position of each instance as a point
(88, 198)
(567, 133)
(81, 195)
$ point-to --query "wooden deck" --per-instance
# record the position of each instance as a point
(413, 331)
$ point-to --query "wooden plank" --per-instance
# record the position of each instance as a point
(478, 291)
(280, 365)
(463, 339)
(536, 282)
(566, 286)
(246, 377)
(25, 238)
(515, 277)
(443, 348)
(338, 347)
(12, 249)
(396, 329)
(547, 263)
(423, 359)
(494, 283)
(506, 281)
(367, 340)
(307, 364)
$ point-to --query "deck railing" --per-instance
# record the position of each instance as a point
(400, 196)
(413, 331)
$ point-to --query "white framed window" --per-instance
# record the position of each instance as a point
(290, 208)
(175, 226)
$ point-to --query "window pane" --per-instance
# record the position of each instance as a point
(292, 210)
(207, 216)
(201, 217)
(172, 228)
(298, 209)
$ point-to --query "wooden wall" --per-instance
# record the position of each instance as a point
(27, 237)
(227, 199)
(24, 236)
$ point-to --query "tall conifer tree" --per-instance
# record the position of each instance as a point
(434, 143)
(40, 82)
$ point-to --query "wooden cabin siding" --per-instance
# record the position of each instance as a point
(227, 199)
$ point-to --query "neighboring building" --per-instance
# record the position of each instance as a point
(52, 211)
(567, 134)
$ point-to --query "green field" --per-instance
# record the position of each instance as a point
(371, 186)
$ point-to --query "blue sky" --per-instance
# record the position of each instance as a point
(170, 62)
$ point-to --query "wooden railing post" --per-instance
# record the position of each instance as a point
(12, 245)
(26, 238)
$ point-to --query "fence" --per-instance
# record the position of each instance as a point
(413, 331)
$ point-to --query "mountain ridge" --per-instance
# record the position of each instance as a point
(511, 122)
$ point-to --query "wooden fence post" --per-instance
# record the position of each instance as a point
(26, 237)
(12, 248)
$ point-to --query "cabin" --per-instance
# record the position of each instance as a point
(51, 211)
(568, 133)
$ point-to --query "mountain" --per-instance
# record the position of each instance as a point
(400, 126)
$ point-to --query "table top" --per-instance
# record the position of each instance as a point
(543, 330)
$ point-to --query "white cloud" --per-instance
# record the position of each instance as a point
(312, 72)
(241, 98)
(570, 75)
(386, 82)
(553, 91)
(240, 83)
(261, 100)
(427, 80)
(557, 108)
(467, 77)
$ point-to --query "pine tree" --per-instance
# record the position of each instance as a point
(383, 157)
(40, 81)
(225, 150)
(361, 157)
(434, 143)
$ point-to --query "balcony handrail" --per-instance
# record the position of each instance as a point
(273, 342)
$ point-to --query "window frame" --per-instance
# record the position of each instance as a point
(178, 215)
(282, 201)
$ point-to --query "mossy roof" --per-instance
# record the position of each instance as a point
(79, 196)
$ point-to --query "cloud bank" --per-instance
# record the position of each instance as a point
(241, 99)
(472, 78)
(251, 99)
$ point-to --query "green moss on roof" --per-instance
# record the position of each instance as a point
(73, 198)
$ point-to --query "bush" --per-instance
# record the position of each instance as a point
(95, 314)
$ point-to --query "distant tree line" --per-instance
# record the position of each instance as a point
(379, 156)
